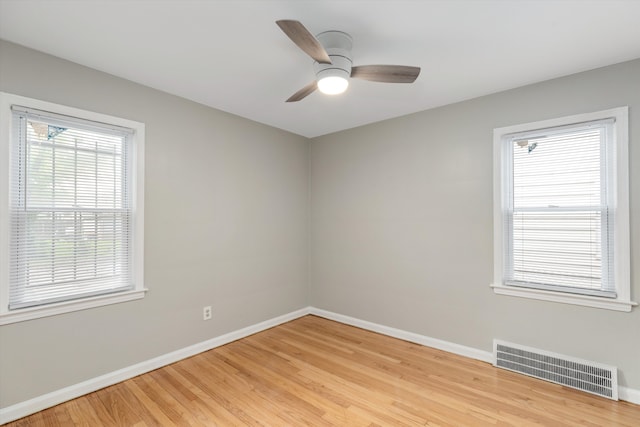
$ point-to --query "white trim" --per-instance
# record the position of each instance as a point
(561, 297)
(622, 269)
(622, 233)
(137, 186)
(48, 400)
(5, 143)
(137, 181)
(450, 347)
(629, 395)
(68, 306)
(31, 406)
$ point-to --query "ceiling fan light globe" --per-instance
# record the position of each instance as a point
(333, 85)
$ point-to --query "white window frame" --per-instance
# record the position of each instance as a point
(18, 315)
(620, 185)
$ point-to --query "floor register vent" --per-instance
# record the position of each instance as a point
(594, 378)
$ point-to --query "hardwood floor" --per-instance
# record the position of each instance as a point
(316, 372)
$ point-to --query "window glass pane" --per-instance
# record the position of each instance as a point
(86, 196)
(70, 238)
(40, 175)
(559, 170)
(558, 208)
(558, 248)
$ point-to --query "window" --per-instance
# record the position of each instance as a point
(73, 234)
(561, 229)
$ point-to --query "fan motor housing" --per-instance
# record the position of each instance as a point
(338, 46)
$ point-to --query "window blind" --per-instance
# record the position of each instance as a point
(70, 207)
(559, 228)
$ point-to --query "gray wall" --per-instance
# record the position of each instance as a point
(225, 225)
(401, 227)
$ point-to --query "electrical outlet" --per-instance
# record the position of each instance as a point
(206, 313)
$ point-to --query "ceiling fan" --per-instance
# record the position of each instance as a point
(331, 52)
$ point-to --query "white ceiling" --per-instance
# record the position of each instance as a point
(230, 55)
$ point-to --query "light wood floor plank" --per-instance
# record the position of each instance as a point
(315, 372)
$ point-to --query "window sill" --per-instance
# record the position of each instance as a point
(30, 313)
(565, 298)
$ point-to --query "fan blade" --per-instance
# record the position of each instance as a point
(386, 73)
(304, 92)
(304, 39)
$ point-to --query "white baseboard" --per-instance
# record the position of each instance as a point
(462, 350)
(629, 395)
(48, 400)
(28, 407)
